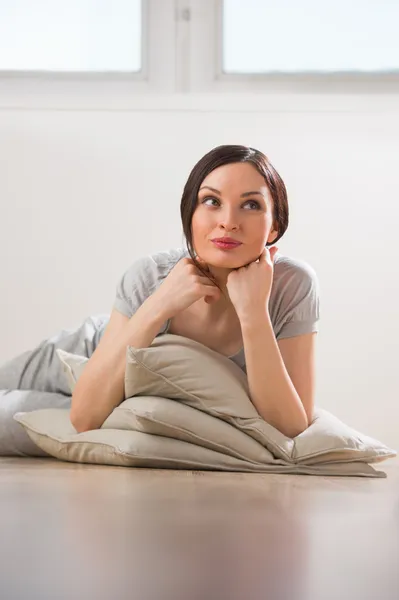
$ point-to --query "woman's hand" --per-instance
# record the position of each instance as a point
(183, 286)
(249, 287)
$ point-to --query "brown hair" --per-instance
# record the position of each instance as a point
(223, 155)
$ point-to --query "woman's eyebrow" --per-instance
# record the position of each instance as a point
(244, 195)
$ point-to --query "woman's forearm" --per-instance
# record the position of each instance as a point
(101, 387)
(271, 389)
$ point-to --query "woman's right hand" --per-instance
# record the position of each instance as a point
(184, 285)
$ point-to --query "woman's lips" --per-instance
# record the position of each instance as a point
(226, 245)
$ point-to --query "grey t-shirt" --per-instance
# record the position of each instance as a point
(293, 303)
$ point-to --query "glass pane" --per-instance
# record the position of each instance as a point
(70, 35)
(310, 35)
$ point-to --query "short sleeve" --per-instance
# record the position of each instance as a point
(299, 306)
(142, 278)
(135, 286)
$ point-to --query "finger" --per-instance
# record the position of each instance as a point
(205, 269)
(206, 281)
(202, 263)
(213, 296)
(210, 299)
(264, 254)
(273, 252)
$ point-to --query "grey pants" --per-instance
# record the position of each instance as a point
(35, 379)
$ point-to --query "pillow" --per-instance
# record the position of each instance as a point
(72, 366)
(14, 441)
(215, 385)
(183, 369)
(186, 371)
(165, 417)
(52, 431)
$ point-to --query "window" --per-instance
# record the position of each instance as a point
(309, 36)
(71, 36)
(125, 53)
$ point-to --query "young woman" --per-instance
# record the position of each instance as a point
(228, 290)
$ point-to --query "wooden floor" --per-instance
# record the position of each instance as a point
(70, 531)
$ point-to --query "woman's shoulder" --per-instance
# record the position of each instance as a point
(294, 302)
(293, 272)
(143, 276)
(154, 267)
(167, 258)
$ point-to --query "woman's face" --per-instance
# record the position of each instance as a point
(233, 201)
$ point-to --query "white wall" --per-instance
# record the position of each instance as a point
(85, 192)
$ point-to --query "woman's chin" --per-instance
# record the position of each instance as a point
(226, 262)
(227, 259)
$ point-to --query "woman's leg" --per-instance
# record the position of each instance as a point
(34, 380)
(40, 369)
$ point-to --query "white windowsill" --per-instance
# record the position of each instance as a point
(127, 96)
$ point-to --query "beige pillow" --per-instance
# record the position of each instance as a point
(165, 417)
(51, 430)
(72, 366)
(188, 372)
(185, 370)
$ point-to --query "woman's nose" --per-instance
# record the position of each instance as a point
(229, 221)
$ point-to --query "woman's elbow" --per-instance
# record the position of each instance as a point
(78, 424)
(81, 422)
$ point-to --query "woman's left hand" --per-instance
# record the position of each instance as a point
(249, 287)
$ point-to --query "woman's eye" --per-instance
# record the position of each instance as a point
(212, 199)
(254, 203)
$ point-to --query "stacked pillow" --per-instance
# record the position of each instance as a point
(188, 406)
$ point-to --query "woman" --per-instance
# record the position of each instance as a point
(244, 300)
(228, 290)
